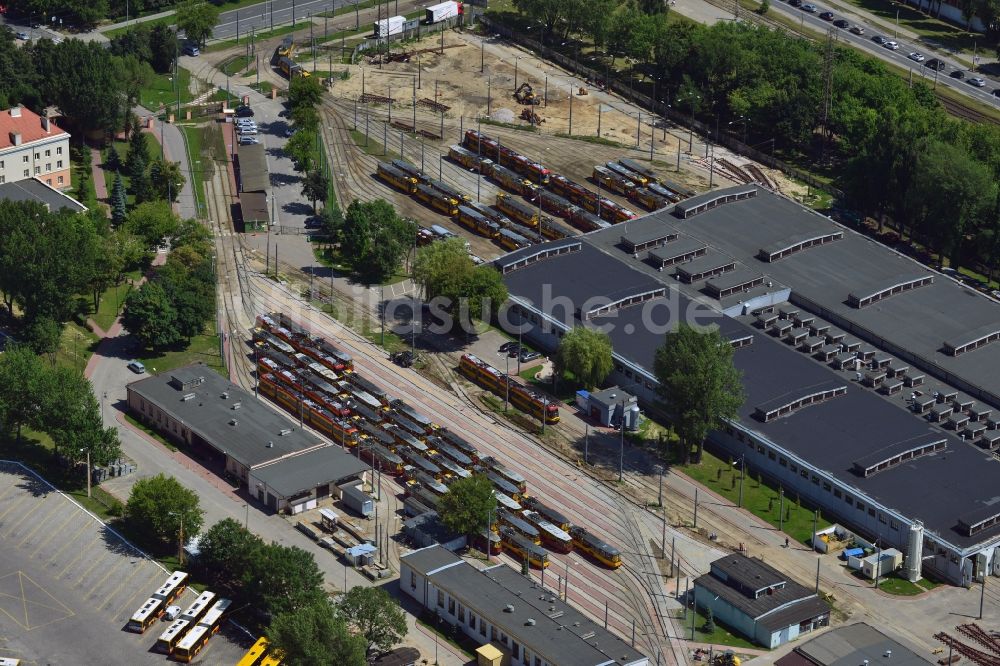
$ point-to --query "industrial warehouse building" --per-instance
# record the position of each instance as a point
(284, 466)
(870, 379)
(758, 601)
(852, 645)
(501, 607)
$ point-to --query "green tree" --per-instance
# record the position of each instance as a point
(282, 579)
(82, 79)
(375, 615)
(332, 220)
(73, 418)
(159, 506)
(154, 222)
(315, 186)
(166, 179)
(197, 19)
(113, 161)
(162, 48)
(42, 333)
(22, 388)
(304, 92)
(698, 382)
(302, 149)
(485, 292)
(467, 506)
(134, 41)
(150, 316)
(587, 354)
(315, 635)
(709, 622)
(375, 238)
(118, 201)
(226, 551)
(137, 159)
(445, 270)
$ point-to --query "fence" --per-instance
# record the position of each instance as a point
(657, 107)
(420, 30)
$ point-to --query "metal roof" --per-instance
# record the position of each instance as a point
(298, 474)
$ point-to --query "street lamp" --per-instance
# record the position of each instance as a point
(180, 537)
(742, 474)
(87, 451)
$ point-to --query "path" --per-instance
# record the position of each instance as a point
(97, 172)
(172, 140)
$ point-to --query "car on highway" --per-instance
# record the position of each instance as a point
(137, 367)
(957, 74)
(996, 92)
(916, 56)
(244, 111)
(891, 45)
(23, 36)
(795, 3)
(935, 64)
(809, 8)
(977, 81)
(826, 16)
(842, 23)
(857, 30)
(879, 39)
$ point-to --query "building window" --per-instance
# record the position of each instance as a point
(59, 150)
(451, 606)
(26, 174)
(739, 436)
(893, 525)
(527, 656)
(503, 638)
(805, 474)
(472, 619)
(881, 518)
(413, 580)
(48, 166)
(48, 181)
(3, 179)
(24, 159)
(493, 632)
(793, 468)
(440, 599)
(38, 170)
(48, 153)
(482, 627)
(1, 164)
(461, 613)
(782, 462)
(760, 449)
(515, 650)
(628, 373)
(871, 512)
(59, 164)
(59, 180)
(37, 156)
(538, 660)
(860, 505)
(849, 500)
(815, 480)
(837, 493)
(770, 455)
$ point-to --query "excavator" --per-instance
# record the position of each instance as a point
(525, 95)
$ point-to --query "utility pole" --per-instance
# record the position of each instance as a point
(571, 111)
(696, 508)
(743, 460)
(781, 509)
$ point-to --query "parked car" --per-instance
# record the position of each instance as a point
(244, 111)
(996, 92)
(137, 367)
(23, 36)
(891, 45)
(244, 122)
(826, 16)
(191, 50)
(514, 350)
(916, 56)
(505, 347)
(857, 30)
(795, 3)
(528, 355)
(248, 140)
(977, 81)
(957, 74)
(246, 131)
(842, 23)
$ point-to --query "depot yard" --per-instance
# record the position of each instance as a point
(69, 584)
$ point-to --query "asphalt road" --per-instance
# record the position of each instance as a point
(266, 15)
(897, 57)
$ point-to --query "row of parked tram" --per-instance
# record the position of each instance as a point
(399, 440)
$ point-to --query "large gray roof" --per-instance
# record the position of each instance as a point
(299, 474)
(832, 435)
(559, 633)
(857, 644)
(32, 189)
(256, 437)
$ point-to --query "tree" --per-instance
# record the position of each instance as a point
(82, 79)
(444, 270)
(709, 622)
(150, 316)
(467, 506)
(226, 551)
(134, 41)
(159, 506)
(137, 159)
(302, 149)
(73, 418)
(375, 238)
(332, 221)
(162, 48)
(282, 579)
(376, 616)
(154, 222)
(197, 20)
(118, 202)
(315, 187)
(315, 635)
(587, 354)
(42, 334)
(113, 161)
(22, 382)
(304, 91)
(166, 179)
(698, 382)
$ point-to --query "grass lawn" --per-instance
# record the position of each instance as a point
(373, 147)
(161, 91)
(759, 498)
(110, 305)
(76, 345)
(203, 348)
(565, 388)
(720, 636)
(205, 146)
(899, 586)
(165, 20)
(372, 331)
(235, 65)
(155, 151)
(264, 87)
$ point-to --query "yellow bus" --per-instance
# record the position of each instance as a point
(154, 606)
(195, 639)
(169, 639)
(257, 655)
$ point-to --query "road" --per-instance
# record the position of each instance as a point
(266, 15)
(897, 57)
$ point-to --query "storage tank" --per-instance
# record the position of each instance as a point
(914, 551)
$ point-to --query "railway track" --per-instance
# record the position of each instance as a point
(971, 653)
(959, 110)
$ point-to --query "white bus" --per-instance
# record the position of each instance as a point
(192, 643)
(174, 633)
(154, 606)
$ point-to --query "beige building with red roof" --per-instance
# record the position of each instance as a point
(33, 146)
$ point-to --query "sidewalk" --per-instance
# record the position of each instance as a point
(133, 21)
(97, 172)
(174, 146)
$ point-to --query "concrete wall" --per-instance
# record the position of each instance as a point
(725, 613)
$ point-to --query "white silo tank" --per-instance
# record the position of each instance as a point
(915, 551)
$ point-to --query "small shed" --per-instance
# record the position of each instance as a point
(427, 530)
(607, 407)
(488, 655)
(356, 499)
(881, 564)
(361, 555)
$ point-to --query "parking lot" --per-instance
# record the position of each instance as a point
(68, 584)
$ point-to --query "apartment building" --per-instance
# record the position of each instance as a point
(33, 146)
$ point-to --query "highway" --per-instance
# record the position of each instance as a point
(266, 15)
(897, 57)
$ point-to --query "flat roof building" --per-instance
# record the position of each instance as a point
(830, 386)
(852, 645)
(283, 465)
(500, 606)
(33, 189)
(758, 601)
